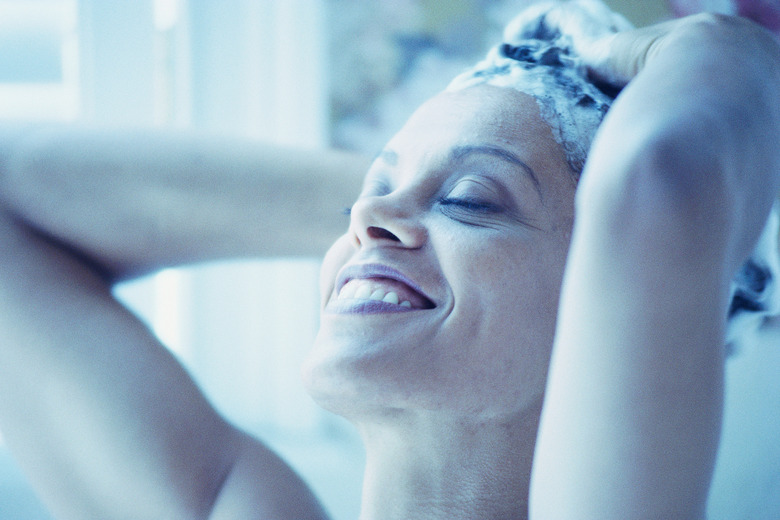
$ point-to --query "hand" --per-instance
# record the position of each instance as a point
(618, 58)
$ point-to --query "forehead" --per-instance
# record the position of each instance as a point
(483, 115)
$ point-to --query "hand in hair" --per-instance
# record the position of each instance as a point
(618, 58)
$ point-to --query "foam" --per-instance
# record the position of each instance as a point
(537, 58)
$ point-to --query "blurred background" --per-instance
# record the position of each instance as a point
(309, 73)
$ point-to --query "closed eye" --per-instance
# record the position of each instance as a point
(469, 204)
(477, 212)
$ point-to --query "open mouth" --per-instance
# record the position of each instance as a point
(379, 284)
(385, 290)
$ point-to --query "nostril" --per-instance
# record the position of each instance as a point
(381, 233)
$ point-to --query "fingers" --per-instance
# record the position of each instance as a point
(617, 58)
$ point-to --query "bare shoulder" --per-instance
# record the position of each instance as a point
(260, 485)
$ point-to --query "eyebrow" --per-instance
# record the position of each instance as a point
(461, 152)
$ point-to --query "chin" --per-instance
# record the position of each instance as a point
(352, 381)
(357, 370)
(337, 377)
(365, 389)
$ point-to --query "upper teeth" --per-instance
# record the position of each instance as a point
(362, 290)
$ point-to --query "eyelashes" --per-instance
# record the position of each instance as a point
(468, 204)
(462, 203)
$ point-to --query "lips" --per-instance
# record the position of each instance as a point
(377, 288)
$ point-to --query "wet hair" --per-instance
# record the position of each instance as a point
(538, 57)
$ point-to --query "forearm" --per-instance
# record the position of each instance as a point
(137, 201)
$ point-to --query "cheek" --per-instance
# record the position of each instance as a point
(506, 292)
(506, 272)
(338, 255)
(503, 323)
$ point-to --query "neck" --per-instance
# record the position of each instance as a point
(454, 468)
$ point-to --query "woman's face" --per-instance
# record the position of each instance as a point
(462, 228)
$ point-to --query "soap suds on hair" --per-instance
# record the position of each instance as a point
(537, 58)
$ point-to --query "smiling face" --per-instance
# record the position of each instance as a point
(443, 293)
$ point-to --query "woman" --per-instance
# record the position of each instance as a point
(439, 303)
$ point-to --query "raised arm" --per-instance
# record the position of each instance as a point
(135, 201)
(677, 188)
(103, 420)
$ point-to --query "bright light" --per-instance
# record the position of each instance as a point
(167, 321)
(166, 14)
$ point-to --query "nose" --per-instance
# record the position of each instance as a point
(387, 220)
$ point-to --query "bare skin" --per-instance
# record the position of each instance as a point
(674, 209)
(73, 223)
(67, 345)
(477, 213)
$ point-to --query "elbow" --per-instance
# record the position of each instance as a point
(662, 198)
